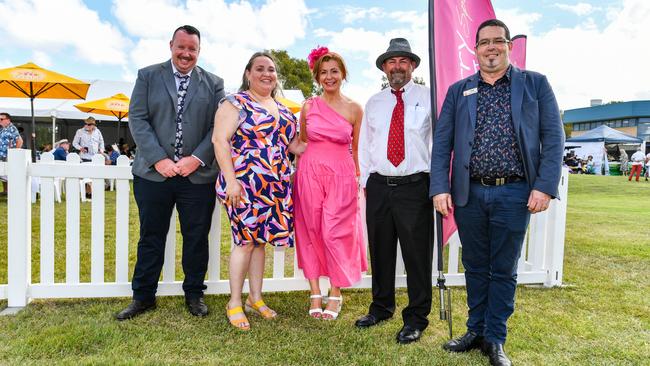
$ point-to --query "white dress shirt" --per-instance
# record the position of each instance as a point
(177, 79)
(637, 158)
(94, 142)
(373, 139)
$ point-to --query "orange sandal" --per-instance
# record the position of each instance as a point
(240, 323)
(261, 309)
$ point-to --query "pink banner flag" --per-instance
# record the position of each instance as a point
(518, 53)
(454, 36)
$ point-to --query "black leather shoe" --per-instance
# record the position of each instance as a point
(196, 306)
(408, 334)
(367, 321)
(496, 354)
(134, 309)
(466, 342)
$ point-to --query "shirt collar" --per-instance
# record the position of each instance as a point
(406, 87)
(507, 76)
(174, 70)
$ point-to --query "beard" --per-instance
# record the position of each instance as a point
(397, 77)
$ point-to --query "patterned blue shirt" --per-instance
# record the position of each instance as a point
(495, 152)
(8, 139)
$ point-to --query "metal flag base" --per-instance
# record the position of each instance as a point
(445, 306)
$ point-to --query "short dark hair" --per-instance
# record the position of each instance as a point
(189, 30)
(493, 23)
(7, 115)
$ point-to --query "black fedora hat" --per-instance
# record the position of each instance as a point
(397, 47)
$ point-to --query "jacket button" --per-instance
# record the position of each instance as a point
(466, 167)
(470, 143)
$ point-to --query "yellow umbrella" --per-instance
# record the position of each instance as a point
(31, 81)
(290, 104)
(117, 105)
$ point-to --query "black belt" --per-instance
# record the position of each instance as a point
(497, 181)
(398, 181)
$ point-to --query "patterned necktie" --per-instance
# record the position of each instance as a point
(395, 149)
(182, 91)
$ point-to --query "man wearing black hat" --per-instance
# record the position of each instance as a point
(394, 158)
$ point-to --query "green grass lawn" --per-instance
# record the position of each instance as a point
(601, 316)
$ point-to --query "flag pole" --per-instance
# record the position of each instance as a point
(445, 306)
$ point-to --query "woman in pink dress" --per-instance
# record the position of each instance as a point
(329, 235)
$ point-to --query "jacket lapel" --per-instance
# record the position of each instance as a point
(195, 80)
(168, 79)
(472, 99)
(516, 95)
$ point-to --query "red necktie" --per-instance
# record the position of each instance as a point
(395, 150)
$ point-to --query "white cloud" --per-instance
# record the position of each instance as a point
(518, 22)
(230, 33)
(580, 9)
(57, 26)
(352, 14)
(362, 46)
(585, 62)
(42, 59)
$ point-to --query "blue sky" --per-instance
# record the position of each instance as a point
(589, 49)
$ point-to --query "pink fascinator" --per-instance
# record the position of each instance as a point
(315, 54)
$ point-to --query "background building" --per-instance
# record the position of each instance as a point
(632, 118)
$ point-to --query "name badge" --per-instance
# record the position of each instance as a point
(470, 92)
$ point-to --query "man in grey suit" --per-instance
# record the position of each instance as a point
(504, 128)
(171, 117)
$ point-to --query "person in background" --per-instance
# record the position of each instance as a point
(112, 153)
(625, 168)
(329, 232)
(647, 167)
(61, 150)
(124, 150)
(9, 139)
(88, 140)
(637, 159)
(589, 165)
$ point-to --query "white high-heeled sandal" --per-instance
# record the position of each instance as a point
(334, 314)
(318, 310)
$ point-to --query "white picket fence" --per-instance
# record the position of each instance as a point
(541, 261)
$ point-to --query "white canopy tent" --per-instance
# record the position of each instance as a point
(593, 143)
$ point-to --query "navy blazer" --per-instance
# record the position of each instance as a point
(537, 125)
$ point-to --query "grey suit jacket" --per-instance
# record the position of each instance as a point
(152, 120)
(537, 125)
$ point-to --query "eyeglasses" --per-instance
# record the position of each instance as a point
(496, 41)
(90, 124)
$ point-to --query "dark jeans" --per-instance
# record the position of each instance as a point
(156, 200)
(492, 227)
(401, 212)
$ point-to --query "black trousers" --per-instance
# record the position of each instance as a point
(404, 212)
(156, 200)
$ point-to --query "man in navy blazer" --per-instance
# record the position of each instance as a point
(503, 126)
